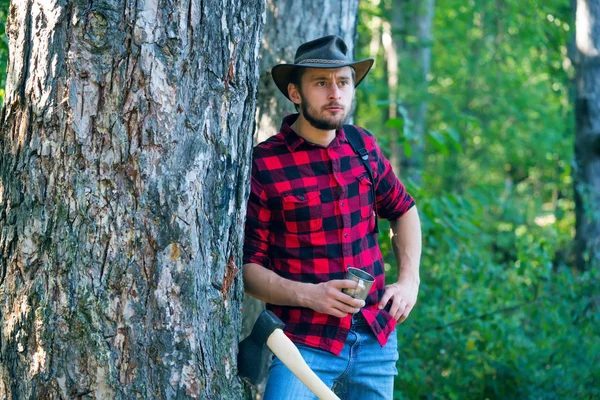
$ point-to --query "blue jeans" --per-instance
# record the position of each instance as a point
(363, 371)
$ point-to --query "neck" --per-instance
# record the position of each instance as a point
(309, 133)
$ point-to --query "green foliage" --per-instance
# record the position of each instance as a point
(502, 313)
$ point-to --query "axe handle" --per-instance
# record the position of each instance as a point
(290, 356)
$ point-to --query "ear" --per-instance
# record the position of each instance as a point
(294, 93)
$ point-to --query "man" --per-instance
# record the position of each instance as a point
(311, 216)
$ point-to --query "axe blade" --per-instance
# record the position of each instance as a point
(250, 349)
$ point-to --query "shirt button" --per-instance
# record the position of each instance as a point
(345, 235)
(301, 197)
(348, 266)
(342, 204)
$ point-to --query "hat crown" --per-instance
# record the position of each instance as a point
(326, 53)
(326, 49)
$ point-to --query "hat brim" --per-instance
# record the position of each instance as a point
(281, 72)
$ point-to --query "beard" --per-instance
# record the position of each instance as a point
(326, 123)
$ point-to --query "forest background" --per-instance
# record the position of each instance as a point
(504, 310)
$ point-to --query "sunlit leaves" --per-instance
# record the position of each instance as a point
(496, 206)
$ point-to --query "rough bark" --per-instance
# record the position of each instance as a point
(288, 25)
(125, 146)
(408, 53)
(587, 137)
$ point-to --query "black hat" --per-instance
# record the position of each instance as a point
(326, 52)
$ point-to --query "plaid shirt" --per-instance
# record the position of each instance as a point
(310, 217)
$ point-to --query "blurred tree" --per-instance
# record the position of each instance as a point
(124, 156)
(587, 139)
(289, 23)
(407, 39)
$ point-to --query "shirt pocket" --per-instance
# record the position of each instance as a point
(365, 194)
(302, 210)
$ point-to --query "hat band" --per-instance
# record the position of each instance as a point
(322, 61)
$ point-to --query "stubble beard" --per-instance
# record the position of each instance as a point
(317, 122)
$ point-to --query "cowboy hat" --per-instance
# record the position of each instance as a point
(326, 52)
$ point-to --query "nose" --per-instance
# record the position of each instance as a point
(335, 93)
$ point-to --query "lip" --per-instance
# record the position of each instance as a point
(334, 108)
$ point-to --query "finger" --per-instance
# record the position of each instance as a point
(351, 301)
(395, 309)
(336, 309)
(387, 295)
(342, 310)
(347, 299)
(401, 318)
(347, 308)
(405, 314)
(358, 303)
(401, 308)
(334, 291)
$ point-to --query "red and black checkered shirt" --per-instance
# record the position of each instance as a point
(311, 216)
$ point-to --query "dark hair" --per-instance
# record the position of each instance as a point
(296, 79)
(296, 75)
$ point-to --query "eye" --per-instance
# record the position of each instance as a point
(320, 83)
(344, 83)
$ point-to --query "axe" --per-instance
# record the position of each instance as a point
(268, 329)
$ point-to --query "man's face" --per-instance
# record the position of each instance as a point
(325, 97)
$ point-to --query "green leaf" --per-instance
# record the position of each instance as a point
(395, 123)
(438, 141)
(407, 148)
(453, 138)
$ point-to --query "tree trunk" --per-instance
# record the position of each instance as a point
(125, 144)
(587, 137)
(390, 47)
(288, 25)
(408, 64)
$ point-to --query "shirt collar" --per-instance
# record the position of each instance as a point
(293, 140)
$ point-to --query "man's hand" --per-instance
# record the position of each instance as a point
(328, 298)
(403, 295)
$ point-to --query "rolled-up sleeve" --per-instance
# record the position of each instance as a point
(256, 231)
(392, 198)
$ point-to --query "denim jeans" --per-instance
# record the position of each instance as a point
(363, 371)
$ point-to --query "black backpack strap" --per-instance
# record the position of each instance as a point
(358, 145)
